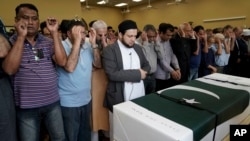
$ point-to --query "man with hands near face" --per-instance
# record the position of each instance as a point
(31, 63)
(184, 44)
(151, 50)
(75, 80)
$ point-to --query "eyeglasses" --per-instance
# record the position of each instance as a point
(84, 33)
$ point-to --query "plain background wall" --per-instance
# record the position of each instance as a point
(61, 9)
(195, 11)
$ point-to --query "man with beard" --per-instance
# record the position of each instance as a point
(125, 66)
(100, 120)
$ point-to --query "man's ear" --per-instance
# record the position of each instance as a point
(68, 33)
(16, 19)
(120, 35)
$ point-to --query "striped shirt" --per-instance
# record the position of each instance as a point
(35, 83)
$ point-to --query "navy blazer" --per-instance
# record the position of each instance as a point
(113, 66)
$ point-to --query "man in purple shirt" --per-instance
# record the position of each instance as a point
(31, 63)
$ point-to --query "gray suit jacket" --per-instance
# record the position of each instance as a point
(113, 66)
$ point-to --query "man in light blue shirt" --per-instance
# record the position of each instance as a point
(222, 52)
(75, 80)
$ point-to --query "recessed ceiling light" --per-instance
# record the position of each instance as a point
(101, 2)
(121, 4)
(137, 0)
(82, 0)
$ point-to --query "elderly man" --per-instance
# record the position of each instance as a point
(184, 44)
(151, 49)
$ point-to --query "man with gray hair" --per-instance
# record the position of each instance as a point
(151, 50)
(101, 33)
(100, 116)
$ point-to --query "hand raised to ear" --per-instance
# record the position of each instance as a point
(52, 24)
(21, 27)
(92, 36)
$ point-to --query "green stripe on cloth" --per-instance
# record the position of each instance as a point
(231, 103)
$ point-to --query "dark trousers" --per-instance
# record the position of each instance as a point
(77, 123)
(149, 84)
(29, 121)
(163, 84)
(7, 110)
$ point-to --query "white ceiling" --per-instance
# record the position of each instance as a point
(111, 3)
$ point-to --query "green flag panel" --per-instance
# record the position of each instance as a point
(211, 106)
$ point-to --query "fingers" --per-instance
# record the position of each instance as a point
(51, 21)
(76, 33)
(92, 35)
(143, 74)
(52, 24)
(21, 27)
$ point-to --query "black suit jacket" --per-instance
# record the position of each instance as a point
(183, 48)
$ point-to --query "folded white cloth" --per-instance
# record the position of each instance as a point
(229, 78)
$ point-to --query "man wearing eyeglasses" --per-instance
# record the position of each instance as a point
(31, 63)
(151, 50)
(75, 80)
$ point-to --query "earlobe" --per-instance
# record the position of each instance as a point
(120, 35)
(16, 19)
(68, 33)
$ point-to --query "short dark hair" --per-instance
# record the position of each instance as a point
(198, 28)
(27, 5)
(226, 27)
(42, 26)
(109, 27)
(74, 23)
(91, 23)
(217, 30)
(163, 27)
(64, 26)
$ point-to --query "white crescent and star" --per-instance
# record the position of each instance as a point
(184, 87)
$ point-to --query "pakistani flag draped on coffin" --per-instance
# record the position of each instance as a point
(197, 105)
